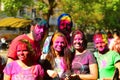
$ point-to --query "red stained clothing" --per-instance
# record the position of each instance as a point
(16, 72)
(12, 51)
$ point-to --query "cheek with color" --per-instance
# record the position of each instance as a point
(59, 44)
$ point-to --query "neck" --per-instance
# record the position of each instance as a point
(103, 52)
(30, 35)
(77, 52)
(57, 54)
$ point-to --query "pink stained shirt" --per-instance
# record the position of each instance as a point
(18, 73)
(12, 52)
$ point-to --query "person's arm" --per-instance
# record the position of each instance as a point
(6, 77)
(117, 65)
(52, 73)
(93, 73)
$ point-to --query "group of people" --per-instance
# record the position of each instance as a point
(64, 55)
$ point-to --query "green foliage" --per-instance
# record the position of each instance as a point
(102, 14)
(42, 6)
(11, 7)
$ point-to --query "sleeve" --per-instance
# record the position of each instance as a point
(116, 57)
(92, 59)
(40, 71)
(8, 68)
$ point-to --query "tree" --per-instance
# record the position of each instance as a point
(11, 7)
(46, 7)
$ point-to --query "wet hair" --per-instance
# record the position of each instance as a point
(28, 45)
(78, 31)
(68, 17)
(55, 35)
(39, 21)
(51, 54)
(101, 35)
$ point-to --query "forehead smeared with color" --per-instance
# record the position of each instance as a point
(22, 46)
(100, 36)
(58, 34)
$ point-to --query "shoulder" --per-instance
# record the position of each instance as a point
(112, 52)
(88, 53)
(11, 64)
(39, 69)
(20, 36)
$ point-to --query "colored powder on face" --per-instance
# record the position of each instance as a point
(22, 46)
(102, 36)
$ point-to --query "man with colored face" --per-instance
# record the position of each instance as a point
(38, 29)
(107, 60)
(64, 26)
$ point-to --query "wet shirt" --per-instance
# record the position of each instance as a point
(60, 66)
(18, 73)
(106, 63)
(80, 63)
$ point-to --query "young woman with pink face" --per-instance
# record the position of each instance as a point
(83, 65)
(64, 24)
(24, 68)
(108, 60)
(56, 57)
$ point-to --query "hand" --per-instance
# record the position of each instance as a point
(73, 75)
(52, 73)
(43, 56)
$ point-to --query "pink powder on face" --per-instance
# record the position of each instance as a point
(21, 47)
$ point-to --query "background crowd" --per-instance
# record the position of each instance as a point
(64, 54)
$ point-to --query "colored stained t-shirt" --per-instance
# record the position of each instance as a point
(106, 63)
(18, 73)
(12, 53)
(60, 66)
(80, 63)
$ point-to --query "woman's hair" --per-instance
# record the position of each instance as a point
(78, 31)
(28, 45)
(40, 22)
(116, 45)
(51, 54)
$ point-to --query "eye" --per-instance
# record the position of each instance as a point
(56, 41)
